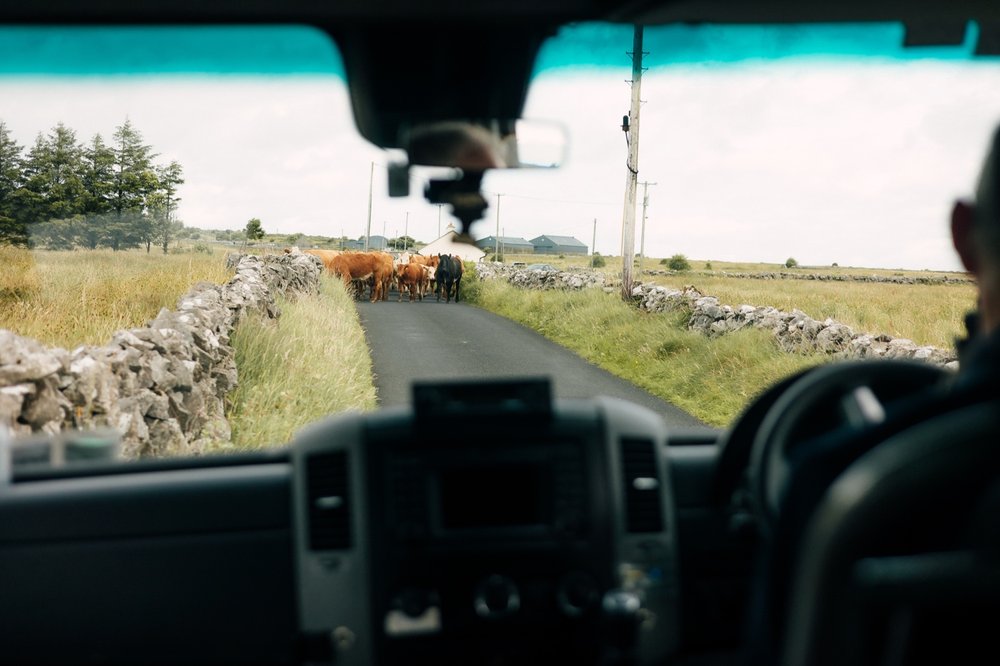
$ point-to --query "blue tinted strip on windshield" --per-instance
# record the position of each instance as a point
(600, 45)
(174, 50)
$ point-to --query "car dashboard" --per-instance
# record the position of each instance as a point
(488, 523)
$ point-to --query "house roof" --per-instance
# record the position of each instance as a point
(559, 240)
(447, 244)
(507, 240)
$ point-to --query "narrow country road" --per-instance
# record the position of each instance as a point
(431, 340)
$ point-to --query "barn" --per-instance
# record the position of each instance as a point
(557, 245)
(512, 244)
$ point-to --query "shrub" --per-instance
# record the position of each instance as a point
(835, 264)
(562, 256)
(202, 248)
(663, 262)
(679, 262)
(708, 265)
(791, 263)
(599, 261)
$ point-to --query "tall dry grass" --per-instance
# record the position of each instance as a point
(926, 314)
(310, 362)
(69, 298)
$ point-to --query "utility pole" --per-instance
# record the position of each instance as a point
(630, 125)
(384, 237)
(593, 245)
(496, 245)
(642, 242)
(406, 229)
(439, 220)
(368, 232)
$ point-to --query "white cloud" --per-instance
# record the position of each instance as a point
(822, 161)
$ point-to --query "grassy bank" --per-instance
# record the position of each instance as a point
(310, 362)
(713, 379)
(81, 297)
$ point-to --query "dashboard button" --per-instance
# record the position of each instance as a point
(577, 593)
(496, 597)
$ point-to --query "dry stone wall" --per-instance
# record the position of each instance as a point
(162, 386)
(794, 331)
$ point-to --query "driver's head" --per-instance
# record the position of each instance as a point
(975, 230)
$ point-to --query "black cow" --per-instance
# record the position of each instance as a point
(449, 272)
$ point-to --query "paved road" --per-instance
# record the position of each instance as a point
(431, 340)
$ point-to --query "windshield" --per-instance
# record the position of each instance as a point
(791, 194)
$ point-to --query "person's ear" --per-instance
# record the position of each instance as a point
(962, 235)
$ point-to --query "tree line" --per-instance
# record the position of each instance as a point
(61, 193)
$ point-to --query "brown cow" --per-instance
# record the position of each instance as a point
(326, 256)
(361, 266)
(386, 274)
(411, 277)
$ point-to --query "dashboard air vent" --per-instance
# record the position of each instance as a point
(643, 505)
(328, 494)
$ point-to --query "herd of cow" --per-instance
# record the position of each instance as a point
(380, 272)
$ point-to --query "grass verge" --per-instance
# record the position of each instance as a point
(310, 362)
(712, 379)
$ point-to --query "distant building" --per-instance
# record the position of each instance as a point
(447, 244)
(557, 245)
(512, 244)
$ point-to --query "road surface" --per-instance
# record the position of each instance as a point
(431, 340)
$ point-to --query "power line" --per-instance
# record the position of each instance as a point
(534, 198)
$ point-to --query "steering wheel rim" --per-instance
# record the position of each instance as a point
(736, 445)
(857, 391)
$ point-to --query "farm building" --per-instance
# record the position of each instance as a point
(513, 244)
(447, 244)
(557, 245)
(374, 243)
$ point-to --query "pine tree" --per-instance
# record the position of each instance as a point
(166, 226)
(98, 175)
(12, 229)
(134, 181)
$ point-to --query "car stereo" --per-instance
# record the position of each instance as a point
(464, 535)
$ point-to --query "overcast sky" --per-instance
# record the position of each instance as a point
(824, 160)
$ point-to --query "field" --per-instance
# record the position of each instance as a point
(70, 298)
(310, 362)
(926, 314)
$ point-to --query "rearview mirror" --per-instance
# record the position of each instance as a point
(477, 147)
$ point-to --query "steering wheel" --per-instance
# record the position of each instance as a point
(736, 444)
(852, 394)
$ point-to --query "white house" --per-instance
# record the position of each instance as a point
(448, 244)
